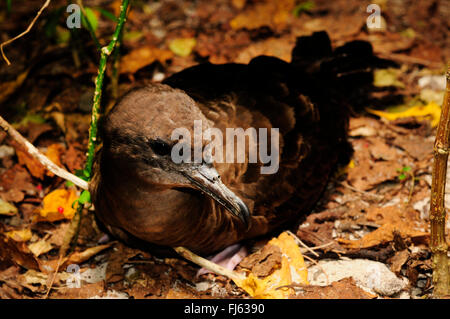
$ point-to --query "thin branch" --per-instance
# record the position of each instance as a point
(44, 160)
(438, 244)
(299, 242)
(23, 33)
(205, 263)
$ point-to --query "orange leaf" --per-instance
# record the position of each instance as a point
(54, 153)
(57, 205)
(34, 167)
(268, 13)
(141, 57)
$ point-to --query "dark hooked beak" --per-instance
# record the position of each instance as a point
(206, 179)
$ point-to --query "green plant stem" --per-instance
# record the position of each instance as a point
(116, 66)
(105, 53)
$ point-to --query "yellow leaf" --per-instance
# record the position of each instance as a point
(387, 77)
(40, 247)
(293, 270)
(58, 205)
(19, 235)
(430, 111)
(182, 46)
(7, 208)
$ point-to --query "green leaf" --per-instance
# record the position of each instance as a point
(302, 7)
(85, 197)
(182, 46)
(91, 19)
(132, 35)
(406, 168)
(69, 183)
(52, 22)
(401, 177)
(108, 14)
(8, 6)
(83, 174)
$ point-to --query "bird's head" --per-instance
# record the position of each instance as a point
(138, 140)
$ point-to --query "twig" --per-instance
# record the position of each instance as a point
(302, 243)
(205, 263)
(23, 33)
(438, 243)
(375, 196)
(410, 59)
(44, 160)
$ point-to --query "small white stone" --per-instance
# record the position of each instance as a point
(372, 276)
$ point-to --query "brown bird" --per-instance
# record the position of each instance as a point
(139, 191)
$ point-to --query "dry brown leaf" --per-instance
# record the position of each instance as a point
(8, 88)
(17, 253)
(343, 289)
(79, 257)
(392, 220)
(141, 57)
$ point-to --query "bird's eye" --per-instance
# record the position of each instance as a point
(160, 147)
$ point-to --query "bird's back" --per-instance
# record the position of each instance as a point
(305, 99)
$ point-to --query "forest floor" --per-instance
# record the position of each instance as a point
(372, 219)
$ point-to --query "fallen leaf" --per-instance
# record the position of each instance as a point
(54, 153)
(7, 208)
(79, 257)
(141, 57)
(19, 235)
(392, 220)
(387, 77)
(8, 88)
(57, 205)
(40, 247)
(343, 289)
(33, 165)
(35, 168)
(431, 111)
(280, 48)
(182, 46)
(17, 253)
(415, 146)
(238, 4)
(268, 13)
(276, 285)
